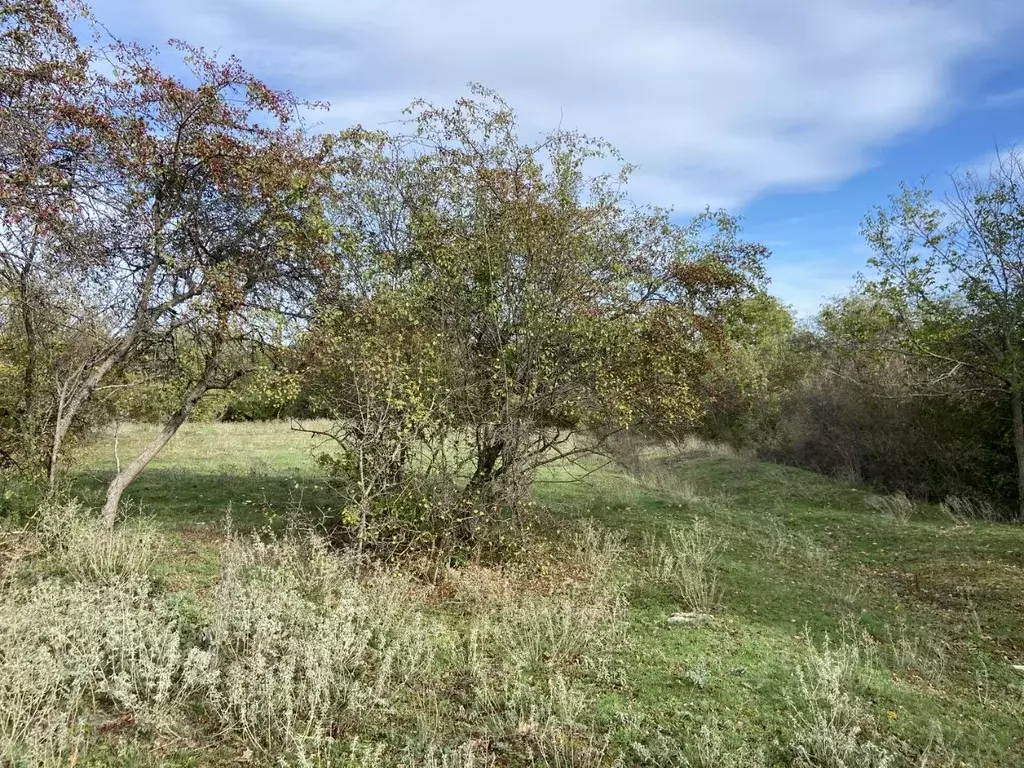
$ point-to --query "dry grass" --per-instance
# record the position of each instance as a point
(895, 506)
(685, 562)
(963, 511)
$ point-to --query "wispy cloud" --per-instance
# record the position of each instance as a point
(1003, 99)
(717, 102)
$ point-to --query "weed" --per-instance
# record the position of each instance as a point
(552, 631)
(831, 728)
(774, 541)
(686, 563)
(962, 510)
(298, 667)
(83, 547)
(895, 506)
(67, 647)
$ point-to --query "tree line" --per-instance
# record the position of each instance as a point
(913, 380)
(462, 305)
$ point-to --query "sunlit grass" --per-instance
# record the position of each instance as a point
(931, 609)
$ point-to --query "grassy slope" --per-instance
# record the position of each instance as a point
(942, 605)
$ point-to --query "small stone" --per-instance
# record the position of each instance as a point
(689, 617)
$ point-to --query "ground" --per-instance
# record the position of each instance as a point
(809, 574)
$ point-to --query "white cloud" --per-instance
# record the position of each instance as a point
(808, 283)
(717, 102)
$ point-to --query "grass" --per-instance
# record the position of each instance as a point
(839, 633)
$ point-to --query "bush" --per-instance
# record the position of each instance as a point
(299, 652)
(304, 660)
(86, 550)
(831, 729)
(685, 563)
(64, 648)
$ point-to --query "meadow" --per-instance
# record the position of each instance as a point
(695, 607)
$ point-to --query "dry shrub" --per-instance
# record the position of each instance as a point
(564, 629)
(774, 542)
(685, 562)
(668, 484)
(914, 655)
(538, 723)
(563, 748)
(83, 547)
(588, 561)
(300, 649)
(300, 666)
(66, 648)
(515, 707)
(479, 589)
(595, 554)
(698, 447)
(18, 548)
(895, 506)
(831, 728)
(469, 755)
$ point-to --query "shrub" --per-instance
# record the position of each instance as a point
(558, 630)
(596, 555)
(831, 729)
(83, 547)
(300, 649)
(685, 562)
(64, 648)
(298, 668)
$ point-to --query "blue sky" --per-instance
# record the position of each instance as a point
(797, 114)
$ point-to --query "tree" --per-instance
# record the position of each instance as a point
(548, 309)
(952, 279)
(42, 71)
(741, 391)
(190, 208)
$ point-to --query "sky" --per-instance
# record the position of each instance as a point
(798, 115)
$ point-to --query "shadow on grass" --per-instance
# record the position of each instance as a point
(175, 497)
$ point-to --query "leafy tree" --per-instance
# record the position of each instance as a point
(192, 208)
(42, 70)
(522, 302)
(952, 281)
(742, 390)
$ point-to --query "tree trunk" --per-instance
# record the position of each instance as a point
(68, 409)
(1018, 447)
(28, 384)
(486, 464)
(134, 468)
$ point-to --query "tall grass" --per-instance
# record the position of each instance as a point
(896, 506)
(685, 561)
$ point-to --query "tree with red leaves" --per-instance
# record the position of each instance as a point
(43, 70)
(180, 208)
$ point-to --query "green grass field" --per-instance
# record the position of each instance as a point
(835, 635)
